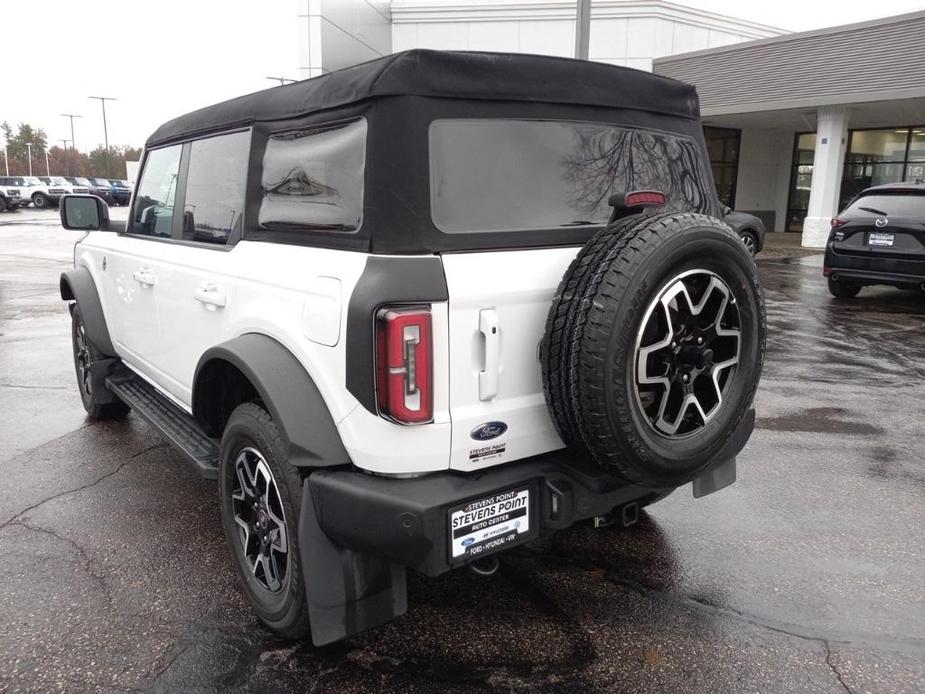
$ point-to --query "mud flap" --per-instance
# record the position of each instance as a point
(723, 473)
(347, 592)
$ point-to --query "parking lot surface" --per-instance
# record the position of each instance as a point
(806, 575)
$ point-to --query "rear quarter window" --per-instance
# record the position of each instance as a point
(491, 175)
(313, 180)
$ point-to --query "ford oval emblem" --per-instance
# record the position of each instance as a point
(468, 541)
(881, 222)
(488, 430)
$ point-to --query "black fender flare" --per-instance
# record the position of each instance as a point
(78, 285)
(289, 394)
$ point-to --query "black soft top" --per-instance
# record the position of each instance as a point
(473, 76)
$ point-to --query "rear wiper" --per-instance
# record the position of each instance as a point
(577, 223)
(873, 210)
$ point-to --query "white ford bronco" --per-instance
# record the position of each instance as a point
(421, 311)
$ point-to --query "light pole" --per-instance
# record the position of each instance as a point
(29, 147)
(103, 100)
(67, 162)
(583, 29)
(72, 116)
(47, 170)
(6, 158)
(282, 80)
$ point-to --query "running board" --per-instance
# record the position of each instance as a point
(177, 426)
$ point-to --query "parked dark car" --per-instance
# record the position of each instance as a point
(749, 228)
(95, 186)
(879, 238)
(121, 193)
(104, 189)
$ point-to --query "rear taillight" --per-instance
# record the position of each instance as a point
(644, 198)
(404, 364)
(838, 222)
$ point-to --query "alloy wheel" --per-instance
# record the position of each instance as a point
(82, 359)
(687, 349)
(749, 242)
(261, 520)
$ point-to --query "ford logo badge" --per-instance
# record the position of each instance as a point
(488, 430)
(881, 222)
(468, 541)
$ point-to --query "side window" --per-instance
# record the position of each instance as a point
(313, 180)
(154, 201)
(213, 207)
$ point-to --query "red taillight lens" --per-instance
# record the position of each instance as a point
(404, 365)
(838, 222)
(644, 198)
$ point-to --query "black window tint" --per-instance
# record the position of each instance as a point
(314, 180)
(508, 175)
(213, 207)
(152, 214)
(890, 205)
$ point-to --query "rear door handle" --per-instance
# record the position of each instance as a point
(144, 277)
(488, 379)
(210, 296)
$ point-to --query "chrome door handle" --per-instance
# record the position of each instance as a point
(488, 379)
(144, 277)
(210, 296)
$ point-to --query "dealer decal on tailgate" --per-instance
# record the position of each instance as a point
(489, 523)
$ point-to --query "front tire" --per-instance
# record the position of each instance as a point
(260, 498)
(843, 290)
(85, 353)
(39, 201)
(750, 241)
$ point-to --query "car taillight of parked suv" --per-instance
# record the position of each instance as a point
(879, 238)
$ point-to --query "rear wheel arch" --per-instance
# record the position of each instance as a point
(256, 368)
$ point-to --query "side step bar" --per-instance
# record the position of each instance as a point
(177, 426)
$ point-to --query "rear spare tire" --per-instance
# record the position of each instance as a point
(661, 360)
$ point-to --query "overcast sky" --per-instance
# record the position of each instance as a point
(161, 58)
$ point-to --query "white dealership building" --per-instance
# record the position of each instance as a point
(796, 123)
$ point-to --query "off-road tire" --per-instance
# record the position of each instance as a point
(86, 352)
(39, 201)
(250, 426)
(600, 415)
(558, 336)
(843, 290)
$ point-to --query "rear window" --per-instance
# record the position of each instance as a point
(900, 204)
(514, 175)
(313, 180)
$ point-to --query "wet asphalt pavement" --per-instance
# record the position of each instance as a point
(806, 575)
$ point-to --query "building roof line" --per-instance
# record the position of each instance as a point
(404, 11)
(842, 28)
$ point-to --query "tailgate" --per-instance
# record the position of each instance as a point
(498, 303)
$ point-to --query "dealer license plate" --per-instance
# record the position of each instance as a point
(489, 524)
(880, 239)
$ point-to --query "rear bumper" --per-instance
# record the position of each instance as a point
(359, 531)
(874, 269)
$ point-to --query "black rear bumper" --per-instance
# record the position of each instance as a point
(358, 532)
(875, 269)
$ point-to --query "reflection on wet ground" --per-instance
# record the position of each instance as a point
(806, 575)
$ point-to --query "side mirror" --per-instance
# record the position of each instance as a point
(84, 213)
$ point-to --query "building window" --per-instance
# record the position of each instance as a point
(872, 158)
(801, 179)
(723, 148)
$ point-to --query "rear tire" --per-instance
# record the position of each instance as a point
(85, 353)
(664, 355)
(261, 526)
(843, 290)
(39, 201)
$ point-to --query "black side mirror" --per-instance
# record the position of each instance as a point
(84, 213)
